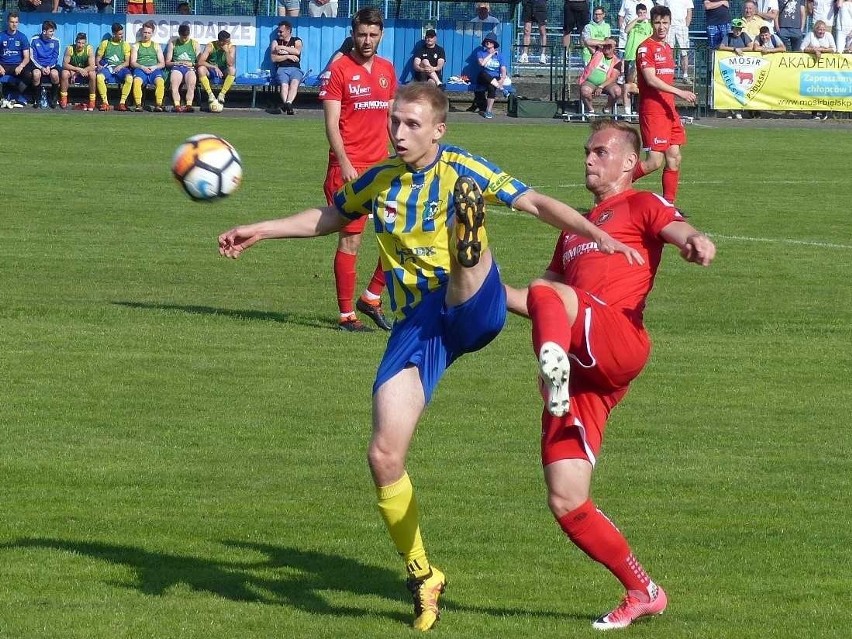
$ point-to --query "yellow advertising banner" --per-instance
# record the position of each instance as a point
(782, 81)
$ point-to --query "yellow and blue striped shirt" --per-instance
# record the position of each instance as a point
(413, 215)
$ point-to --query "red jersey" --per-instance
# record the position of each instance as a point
(364, 98)
(634, 218)
(658, 56)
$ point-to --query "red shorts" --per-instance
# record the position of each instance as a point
(660, 131)
(609, 348)
(332, 184)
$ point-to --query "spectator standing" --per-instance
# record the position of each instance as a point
(718, 19)
(575, 16)
(818, 42)
(825, 10)
(322, 8)
(30, 6)
(286, 55)
(589, 308)
(492, 73)
(594, 33)
(78, 67)
(790, 23)
(106, 6)
(141, 7)
(289, 8)
(181, 58)
(217, 64)
(638, 30)
(534, 11)
(659, 121)
(356, 125)
(483, 17)
(751, 21)
(183, 9)
(428, 59)
(15, 60)
(626, 15)
(44, 63)
(843, 24)
(768, 10)
(113, 60)
(682, 11)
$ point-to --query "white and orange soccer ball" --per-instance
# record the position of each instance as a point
(207, 167)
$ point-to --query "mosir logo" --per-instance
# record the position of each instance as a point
(744, 76)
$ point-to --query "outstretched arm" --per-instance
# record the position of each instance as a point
(308, 223)
(565, 218)
(693, 244)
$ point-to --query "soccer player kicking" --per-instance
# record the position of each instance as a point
(659, 121)
(445, 290)
(590, 340)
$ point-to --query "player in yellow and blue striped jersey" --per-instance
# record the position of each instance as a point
(428, 207)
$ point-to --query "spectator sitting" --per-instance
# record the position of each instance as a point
(181, 58)
(601, 76)
(492, 74)
(44, 63)
(113, 59)
(638, 30)
(15, 59)
(768, 42)
(218, 62)
(594, 33)
(286, 55)
(428, 60)
(484, 18)
(78, 67)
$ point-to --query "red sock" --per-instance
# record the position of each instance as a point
(671, 178)
(344, 280)
(377, 283)
(597, 536)
(549, 318)
(638, 171)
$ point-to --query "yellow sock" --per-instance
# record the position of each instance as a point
(91, 98)
(205, 84)
(125, 88)
(137, 91)
(102, 88)
(159, 91)
(63, 94)
(398, 508)
(226, 85)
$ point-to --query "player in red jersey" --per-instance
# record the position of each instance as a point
(586, 311)
(356, 99)
(659, 121)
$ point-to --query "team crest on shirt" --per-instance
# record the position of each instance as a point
(604, 217)
(431, 211)
(390, 212)
(383, 82)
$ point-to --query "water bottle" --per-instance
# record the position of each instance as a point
(43, 102)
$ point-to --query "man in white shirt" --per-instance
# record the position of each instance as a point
(626, 15)
(823, 10)
(679, 32)
(768, 10)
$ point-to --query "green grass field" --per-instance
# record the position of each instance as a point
(183, 436)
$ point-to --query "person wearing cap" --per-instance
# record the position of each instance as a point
(181, 57)
(428, 59)
(492, 73)
(718, 21)
(601, 77)
(78, 66)
(737, 40)
(218, 63)
(484, 18)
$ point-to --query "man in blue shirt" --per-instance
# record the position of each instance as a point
(15, 59)
(44, 51)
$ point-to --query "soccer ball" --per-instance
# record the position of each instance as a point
(207, 167)
(216, 106)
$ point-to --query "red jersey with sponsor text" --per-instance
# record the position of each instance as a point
(364, 98)
(634, 218)
(658, 56)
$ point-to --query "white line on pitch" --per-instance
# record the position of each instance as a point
(770, 240)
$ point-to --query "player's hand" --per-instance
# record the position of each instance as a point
(698, 249)
(689, 96)
(348, 172)
(608, 245)
(232, 243)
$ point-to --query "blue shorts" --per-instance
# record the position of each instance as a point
(113, 78)
(286, 74)
(434, 336)
(182, 69)
(148, 78)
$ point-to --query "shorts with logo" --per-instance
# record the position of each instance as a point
(433, 336)
(609, 348)
(333, 183)
(660, 131)
(114, 78)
